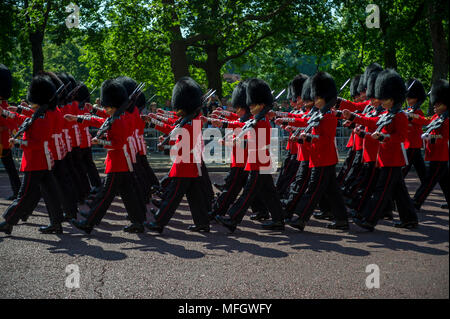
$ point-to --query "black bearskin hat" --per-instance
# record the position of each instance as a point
(440, 93)
(306, 91)
(323, 85)
(187, 95)
(82, 95)
(354, 86)
(65, 80)
(140, 101)
(417, 91)
(297, 85)
(362, 86)
(370, 92)
(390, 85)
(129, 85)
(113, 94)
(57, 83)
(5, 82)
(239, 96)
(42, 90)
(258, 92)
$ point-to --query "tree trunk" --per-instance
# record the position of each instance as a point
(212, 69)
(389, 49)
(439, 43)
(178, 58)
(36, 39)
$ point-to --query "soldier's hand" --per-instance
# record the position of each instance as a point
(70, 117)
(270, 115)
(346, 114)
(216, 123)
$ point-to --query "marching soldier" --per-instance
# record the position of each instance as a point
(37, 161)
(391, 131)
(186, 172)
(436, 141)
(321, 132)
(259, 185)
(119, 178)
(5, 132)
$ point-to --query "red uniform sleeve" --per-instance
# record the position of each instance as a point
(353, 106)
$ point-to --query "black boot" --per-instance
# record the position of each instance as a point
(51, 229)
(153, 226)
(298, 223)
(364, 224)
(260, 216)
(272, 225)
(227, 222)
(444, 206)
(388, 215)
(408, 225)
(6, 228)
(339, 224)
(199, 228)
(134, 228)
(323, 215)
(219, 186)
(83, 225)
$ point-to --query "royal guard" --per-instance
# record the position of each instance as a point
(37, 160)
(436, 143)
(391, 130)
(415, 97)
(119, 179)
(5, 132)
(259, 185)
(321, 133)
(185, 176)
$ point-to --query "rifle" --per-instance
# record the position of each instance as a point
(110, 120)
(179, 124)
(434, 125)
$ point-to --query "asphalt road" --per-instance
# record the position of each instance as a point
(251, 263)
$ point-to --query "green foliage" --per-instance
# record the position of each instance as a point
(271, 39)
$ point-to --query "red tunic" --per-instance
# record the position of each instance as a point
(437, 151)
(390, 151)
(415, 131)
(323, 149)
(36, 154)
(187, 151)
(258, 147)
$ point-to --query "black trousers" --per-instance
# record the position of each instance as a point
(193, 188)
(143, 183)
(346, 166)
(149, 173)
(362, 191)
(119, 183)
(81, 170)
(234, 183)
(11, 170)
(437, 173)
(91, 170)
(258, 188)
(355, 169)
(35, 183)
(65, 184)
(390, 186)
(207, 187)
(322, 183)
(287, 174)
(415, 158)
(79, 186)
(297, 188)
